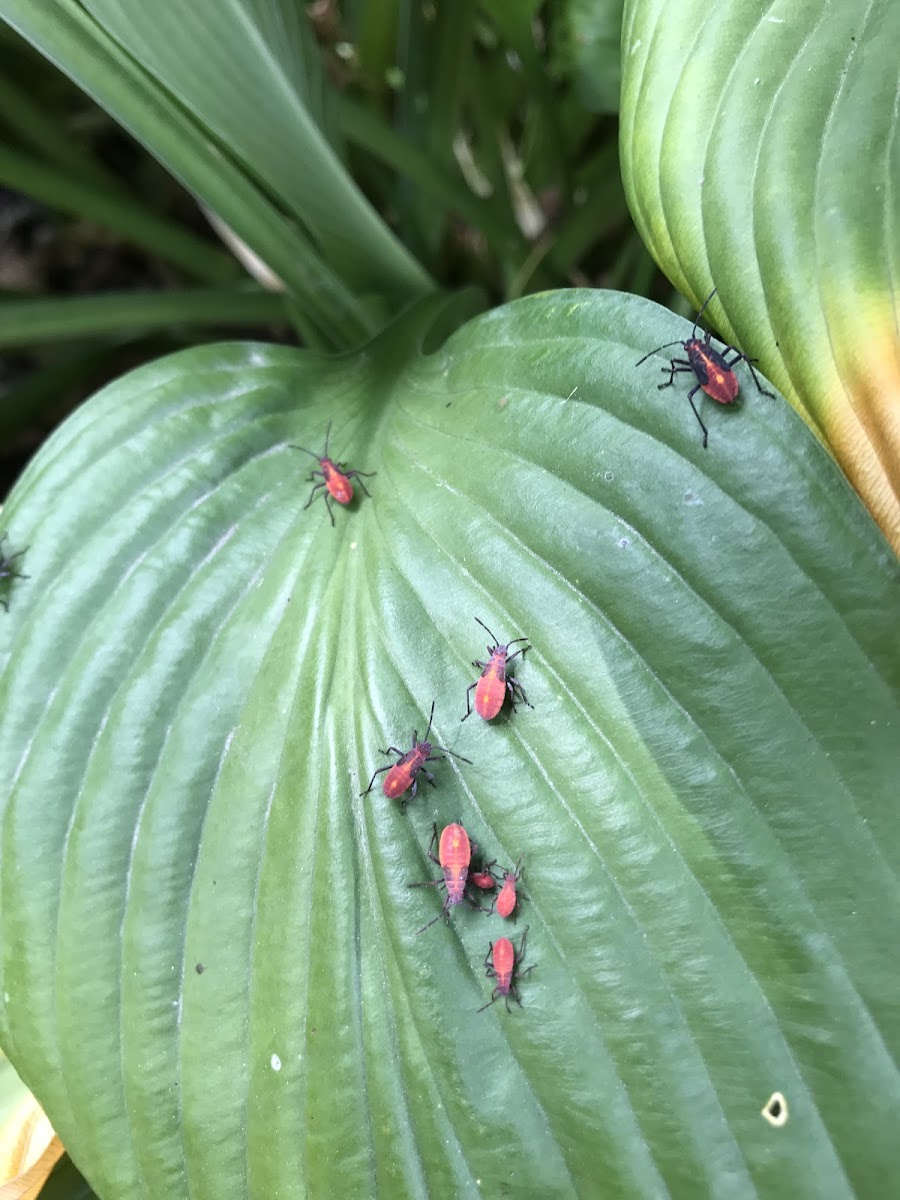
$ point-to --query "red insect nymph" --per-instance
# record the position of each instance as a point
(333, 477)
(508, 899)
(502, 963)
(492, 688)
(485, 878)
(402, 775)
(454, 857)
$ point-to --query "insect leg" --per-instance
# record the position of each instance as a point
(361, 475)
(691, 395)
(676, 367)
(468, 705)
(749, 361)
(312, 496)
(514, 686)
(380, 771)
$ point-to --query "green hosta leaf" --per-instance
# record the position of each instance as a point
(760, 152)
(198, 675)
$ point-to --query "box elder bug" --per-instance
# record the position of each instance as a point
(334, 478)
(492, 687)
(454, 857)
(485, 879)
(502, 963)
(508, 898)
(7, 570)
(713, 372)
(402, 775)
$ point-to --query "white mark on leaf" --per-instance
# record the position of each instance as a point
(775, 1110)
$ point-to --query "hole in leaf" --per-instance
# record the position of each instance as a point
(775, 1110)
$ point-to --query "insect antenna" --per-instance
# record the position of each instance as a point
(452, 753)
(703, 308)
(430, 923)
(430, 719)
(492, 635)
(664, 346)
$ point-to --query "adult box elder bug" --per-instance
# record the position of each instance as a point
(502, 963)
(454, 857)
(402, 775)
(333, 477)
(712, 370)
(7, 570)
(492, 687)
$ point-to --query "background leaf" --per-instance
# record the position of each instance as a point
(198, 675)
(206, 155)
(66, 1183)
(250, 73)
(593, 37)
(760, 153)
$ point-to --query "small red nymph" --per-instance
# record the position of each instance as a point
(502, 963)
(333, 477)
(492, 688)
(402, 775)
(485, 879)
(508, 899)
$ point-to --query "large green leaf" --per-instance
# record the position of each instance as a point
(760, 150)
(198, 675)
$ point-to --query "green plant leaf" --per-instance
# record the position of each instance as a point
(211, 973)
(66, 1183)
(37, 321)
(592, 32)
(760, 153)
(249, 71)
(67, 35)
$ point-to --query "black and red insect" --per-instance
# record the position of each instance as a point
(402, 775)
(494, 685)
(502, 963)
(333, 477)
(7, 568)
(712, 370)
(454, 857)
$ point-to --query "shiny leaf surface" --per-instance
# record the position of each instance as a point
(211, 972)
(760, 152)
